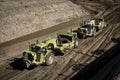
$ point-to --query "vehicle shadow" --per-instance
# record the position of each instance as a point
(17, 64)
(91, 69)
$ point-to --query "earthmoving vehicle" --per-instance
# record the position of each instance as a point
(65, 41)
(44, 52)
(97, 22)
(38, 54)
(90, 27)
(86, 30)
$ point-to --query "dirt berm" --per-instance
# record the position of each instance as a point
(22, 17)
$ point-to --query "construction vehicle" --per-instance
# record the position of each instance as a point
(99, 23)
(90, 27)
(86, 30)
(38, 54)
(66, 41)
(43, 53)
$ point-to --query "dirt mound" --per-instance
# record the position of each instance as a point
(18, 18)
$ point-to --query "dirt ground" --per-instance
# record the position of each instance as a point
(22, 17)
(96, 58)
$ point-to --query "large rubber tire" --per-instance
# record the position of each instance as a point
(76, 43)
(49, 59)
(79, 33)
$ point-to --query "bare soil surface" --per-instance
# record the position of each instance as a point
(20, 18)
(96, 58)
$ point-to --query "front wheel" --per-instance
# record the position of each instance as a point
(49, 58)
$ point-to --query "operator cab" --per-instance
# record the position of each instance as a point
(38, 49)
(88, 27)
(35, 48)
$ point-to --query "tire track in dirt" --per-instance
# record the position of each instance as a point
(113, 44)
(55, 73)
(98, 46)
(87, 60)
(82, 60)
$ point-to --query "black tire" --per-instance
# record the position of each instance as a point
(78, 33)
(76, 43)
(49, 58)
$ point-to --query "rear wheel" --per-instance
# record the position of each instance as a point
(79, 33)
(50, 58)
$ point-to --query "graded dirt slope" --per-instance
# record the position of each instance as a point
(22, 17)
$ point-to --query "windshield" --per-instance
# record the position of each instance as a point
(35, 48)
(99, 20)
(86, 26)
